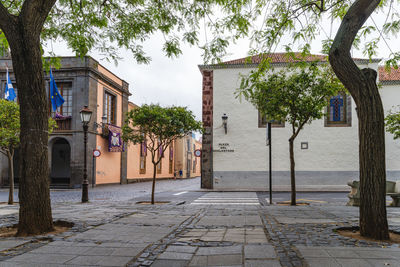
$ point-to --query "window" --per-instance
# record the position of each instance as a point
(188, 144)
(171, 158)
(65, 109)
(338, 111)
(109, 107)
(160, 154)
(143, 155)
(194, 164)
(262, 122)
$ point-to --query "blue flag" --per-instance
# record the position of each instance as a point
(9, 92)
(56, 99)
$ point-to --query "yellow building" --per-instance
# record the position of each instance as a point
(176, 158)
(186, 163)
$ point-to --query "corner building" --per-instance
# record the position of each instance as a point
(86, 82)
(326, 151)
(81, 82)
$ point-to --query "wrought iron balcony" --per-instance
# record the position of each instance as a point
(63, 124)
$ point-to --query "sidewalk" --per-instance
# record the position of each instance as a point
(215, 229)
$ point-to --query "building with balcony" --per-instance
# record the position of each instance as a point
(84, 82)
(81, 82)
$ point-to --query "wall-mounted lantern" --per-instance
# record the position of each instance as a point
(225, 122)
(102, 125)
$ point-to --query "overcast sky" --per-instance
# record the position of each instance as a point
(178, 81)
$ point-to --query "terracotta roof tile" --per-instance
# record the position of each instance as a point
(393, 75)
(275, 57)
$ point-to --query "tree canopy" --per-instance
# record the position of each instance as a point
(393, 123)
(297, 94)
(160, 125)
(9, 125)
(157, 127)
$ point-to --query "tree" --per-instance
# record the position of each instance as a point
(393, 124)
(363, 88)
(297, 94)
(157, 128)
(88, 25)
(85, 25)
(9, 138)
(305, 20)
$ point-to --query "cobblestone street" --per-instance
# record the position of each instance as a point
(197, 228)
(115, 192)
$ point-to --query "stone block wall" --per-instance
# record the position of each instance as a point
(206, 158)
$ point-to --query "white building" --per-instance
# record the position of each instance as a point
(239, 159)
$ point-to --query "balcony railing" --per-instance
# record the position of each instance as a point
(63, 124)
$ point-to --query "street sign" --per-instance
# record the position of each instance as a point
(96, 153)
(197, 153)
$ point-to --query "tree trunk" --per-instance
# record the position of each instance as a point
(153, 186)
(362, 86)
(11, 177)
(292, 173)
(34, 195)
(371, 131)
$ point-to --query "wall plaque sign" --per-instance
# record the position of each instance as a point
(224, 147)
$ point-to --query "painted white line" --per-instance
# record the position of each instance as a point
(212, 203)
(230, 200)
(251, 198)
(180, 193)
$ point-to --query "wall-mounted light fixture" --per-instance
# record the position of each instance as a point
(102, 125)
(225, 122)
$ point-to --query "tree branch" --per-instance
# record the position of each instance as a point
(34, 13)
(5, 18)
(339, 55)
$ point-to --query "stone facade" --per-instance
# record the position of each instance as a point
(84, 75)
(207, 155)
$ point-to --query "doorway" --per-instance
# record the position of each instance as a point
(60, 163)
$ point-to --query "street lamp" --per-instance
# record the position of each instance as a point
(225, 122)
(86, 115)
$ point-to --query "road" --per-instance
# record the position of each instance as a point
(116, 192)
(177, 190)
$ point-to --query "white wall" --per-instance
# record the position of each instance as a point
(330, 149)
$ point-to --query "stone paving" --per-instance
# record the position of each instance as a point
(209, 229)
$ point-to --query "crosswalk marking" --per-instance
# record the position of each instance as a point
(180, 193)
(211, 203)
(227, 199)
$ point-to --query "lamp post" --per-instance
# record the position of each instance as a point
(270, 160)
(86, 115)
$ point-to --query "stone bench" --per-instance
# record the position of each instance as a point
(392, 190)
